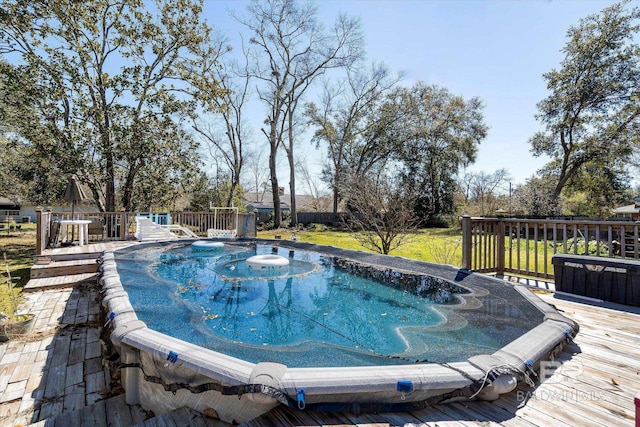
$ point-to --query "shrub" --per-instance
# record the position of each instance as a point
(317, 227)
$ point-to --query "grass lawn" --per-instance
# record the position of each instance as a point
(440, 245)
(20, 247)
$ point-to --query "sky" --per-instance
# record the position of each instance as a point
(495, 50)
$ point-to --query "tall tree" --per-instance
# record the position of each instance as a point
(29, 164)
(223, 126)
(592, 113)
(437, 135)
(291, 50)
(349, 122)
(107, 69)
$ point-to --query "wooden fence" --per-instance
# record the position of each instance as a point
(525, 246)
(114, 226)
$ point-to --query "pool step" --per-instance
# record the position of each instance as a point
(115, 412)
(54, 268)
(58, 282)
(71, 256)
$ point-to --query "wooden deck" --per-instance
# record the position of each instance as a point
(76, 252)
(595, 385)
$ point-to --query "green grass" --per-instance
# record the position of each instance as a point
(440, 245)
(20, 248)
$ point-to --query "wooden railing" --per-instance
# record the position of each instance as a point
(522, 247)
(525, 246)
(115, 226)
(200, 222)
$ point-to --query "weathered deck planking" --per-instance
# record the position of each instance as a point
(64, 268)
(41, 284)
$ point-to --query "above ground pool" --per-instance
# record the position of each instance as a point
(305, 325)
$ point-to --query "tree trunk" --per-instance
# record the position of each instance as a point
(337, 182)
(292, 188)
(277, 213)
(231, 193)
(127, 189)
(292, 168)
(110, 187)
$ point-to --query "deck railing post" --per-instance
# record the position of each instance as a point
(124, 224)
(466, 242)
(500, 256)
(39, 231)
(251, 222)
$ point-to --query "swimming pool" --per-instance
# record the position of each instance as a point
(347, 328)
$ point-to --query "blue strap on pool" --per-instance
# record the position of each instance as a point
(405, 386)
(172, 357)
(300, 399)
(112, 315)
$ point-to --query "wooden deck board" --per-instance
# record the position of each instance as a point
(57, 282)
(64, 268)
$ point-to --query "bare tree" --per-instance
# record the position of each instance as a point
(291, 50)
(536, 197)
(481, 189)
(381, 214)
(345, 120)
(213, 74)
(320, 198)
(257, 173)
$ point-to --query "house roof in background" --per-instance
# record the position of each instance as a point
(266, 205)
(628, 209)
(304, 202)
(8, 202)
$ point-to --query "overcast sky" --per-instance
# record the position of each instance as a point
(496, 50)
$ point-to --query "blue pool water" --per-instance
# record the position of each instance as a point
(311, 313)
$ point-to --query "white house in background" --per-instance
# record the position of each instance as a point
(24, 211)
(9, 210)
(631, 212)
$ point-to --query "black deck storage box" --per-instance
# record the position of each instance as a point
(609, 279)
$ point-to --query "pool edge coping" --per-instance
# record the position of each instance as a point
(128, 330)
